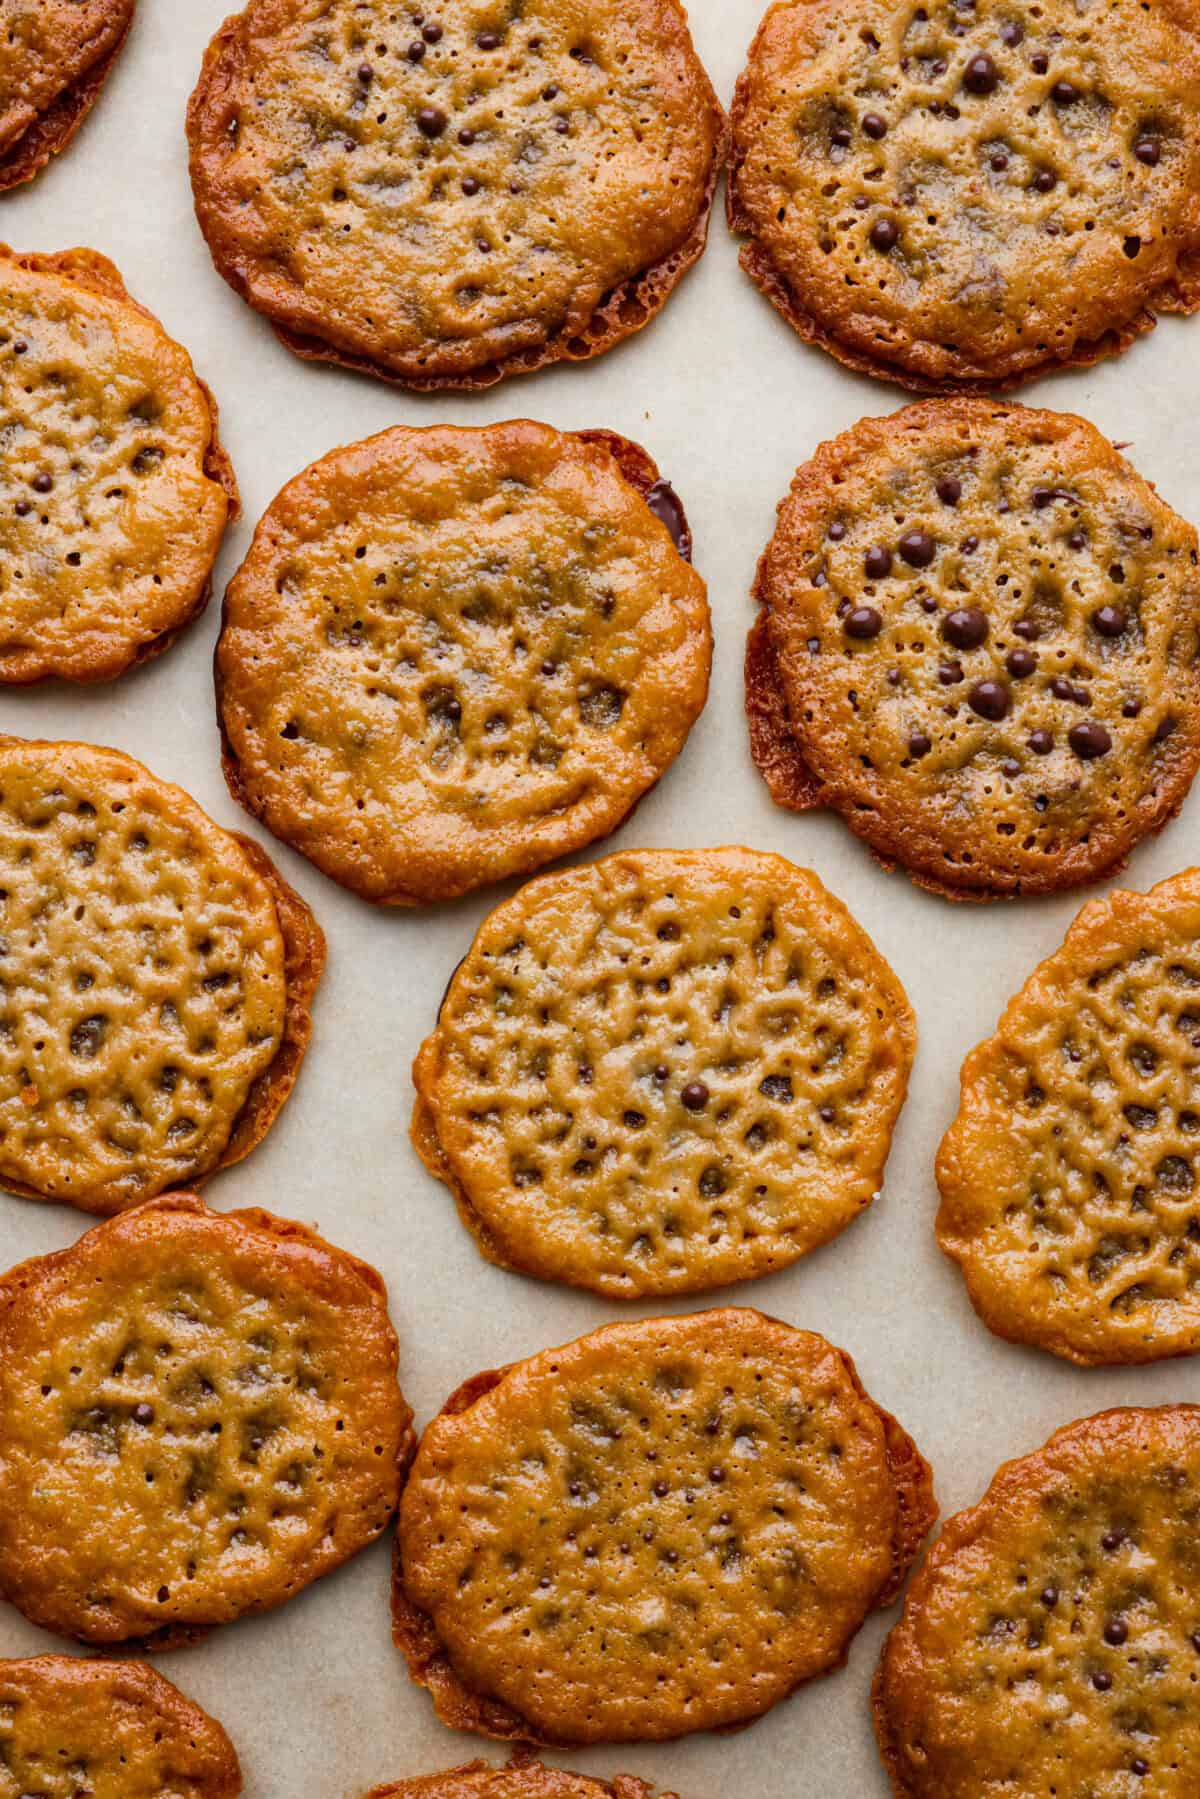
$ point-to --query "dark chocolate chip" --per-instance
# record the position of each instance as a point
(1026, 628)
(42, 483)
(1045, 180)
(1077, 540)
(878, 562)
(1039, 63)
(1050, 1597)
(981, 76)
(919, 745)
(949, 673)
(1110, 621)
(837, 531)
(1166, 726)
(667, 507)
(1010, 769)
(432, 34)
(366, 73)
(470, 185)
(863, 622)
(143, 1413)
(1011, 34)
(431, 121)
(22, 507)
(695, 1096)
(917, 548)
(928, 603)
(1148, 150)
(990, 699)
(998, 161)
(562, 126)
(488, 40)
(1064, 93)
(1115, 1632)
(875, 126)
(466, 135)
(969, 545)
(949, 491)
(661, 1072)
(1112, 1539)
(416, 51)
(1102, 1681)
(1021, 662)
(1041, 742)
(965, 627)
(885, 235)
(1131, 708)
(1139, 1766)
(841, 136)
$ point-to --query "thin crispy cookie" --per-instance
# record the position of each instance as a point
(522, 1778)
(54, 60)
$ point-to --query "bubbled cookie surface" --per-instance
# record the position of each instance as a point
(107, 1730)
(985, 626)
(663, 1527)
(114, 492)
(1050, 1644)
(54, 59)
(521, 1779)
(665, 1072)
(200, 1417)
(142, 978)
(968, 192)
(452, 654)
(1070, 1176)
(448, 195)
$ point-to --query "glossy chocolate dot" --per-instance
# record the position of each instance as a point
(1011, 34)
(1064, 93)
(917, 548)
(969, 545)
(919, 745)
(1026, 628)
(1115, 1632)
(1102, 1681)
(1112, 1539)
(1039, 63)
(488, 40)
(949, 491)
(1021, 662)
(863, 622)
(143, 1413)
(1045, 180)
(1010, 769)
(1062, 689)
(695, 1096)
(1139, 1766)
(1041, 742)
(878, 562)
(466, 135)
(998, 161)
(1077, 540)
(840, 135)
(470, 185)
(562, 126)
(22, 507)
(949, 673)
(1050, 1597)
(415, 51)
(990, 699)
(1148, 150)
(366, 73)
(20, 347)
(1131, 708)
(432, 34)
(1089, 740)
(885, 235)
(431, 121)
(965, 627)
(42, 483)
(981, 76)
(875, 126)
(1110, 621)
(837, 531)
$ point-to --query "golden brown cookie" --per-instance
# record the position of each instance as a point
(120, 489)
(454, 653)
(664, 1527)
(107, 1730)
(521, 1779)
(156, 981)
(1069, 1177)
(199, 1416)
(1050, 1644)
(448, 197)
(663, 1072)
(966, 194)
(55, 57)
(983, 628)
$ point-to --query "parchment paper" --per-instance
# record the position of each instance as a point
(728, 401)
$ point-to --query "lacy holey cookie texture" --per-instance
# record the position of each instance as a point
(447, 199)
(156, 975)
(521, 1779)
(54, 59)
(76, 1729)
(970, 192)
(663, 1527)
(664, 1072)
(1069, 1177)
(199, 1416)
(1050, 1644)
(452, 654)
(114, 488)
(978, 640)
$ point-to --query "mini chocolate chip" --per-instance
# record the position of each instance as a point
(716, 1475)
(22, 507)
(885, 235)
(841, 136)
(661, 1072)
(432, 34)
(1021, 662)
(1042, 497)
(969, 545)
(928, 603)
(949, 491)
(661, 1489)
(416, 51)
(562, 126)
(43, 482)
(1139, 1766)
(863, 622)
(1166, 726)
(1050, 1597)
(837, 531)
(1112, 1539)
(1115, 1632)
(143, 1413)
(878, 562)
(488, 40)
(1010, 769)
(1039, 63)
(1026, 628)
(1147, 150)
(998, 161)
(1077, 540)
(1102, 1681)
(981, 76)
(1110, 621)
(20, 347)
(1131, 708)
(949, 673)
(893, 677)
(1064, 93)
(431, 121)
(919, 745)
(1041, 742)
(917, 548)
(965, 627)
(1045, 180)
(470, 185)
(1011, 34)
(1062, 689)
(990, 699)
(695, 1096)
(875, 126)
(466, 135)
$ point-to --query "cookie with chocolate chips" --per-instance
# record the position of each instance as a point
(447, 196)
(1069, 1177)
(664, 1072)
(199, 1416)
(523, 1778)
(114, 487)
(454, 653)
(595, 1544)
(1051, 1641)
(54, 59)
(107, 1730)
(978, 640)
(156, 981)
(965, 194)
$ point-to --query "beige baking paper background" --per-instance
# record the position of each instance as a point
(728, 401)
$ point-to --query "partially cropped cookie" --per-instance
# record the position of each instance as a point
(968, 194)
(1049, 1644)
(454, 653)
(199, 1416)
(978, 640)
(54, 59)
(117, 487)
(447, 196)
(107, 1730)
(663, 1527)
(156, 979)
(1070, 1176)
(521, 1779)
(663, 1072)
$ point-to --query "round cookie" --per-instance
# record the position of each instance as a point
(521, 1779)
(969, 193)
(1069, 1176)
(663, 1072)
(156, 981)
(445, 197)
(54, 59)
(121, 488)
(663, 1527)
(454, 653)
(1049, 1644)
(107, 1730)
(199, 1416)
(984, 627)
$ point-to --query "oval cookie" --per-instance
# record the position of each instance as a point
(1050, 1642)
(54, 59)
(521, 1779)
(156, 979)
(453, 654)
(199, 1416)
(983, 627)
(448, 199)
(600, 1544)
(1069, 1177)
(663, 1072)
(120, 488)
(961, 196)
(107, 1730)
